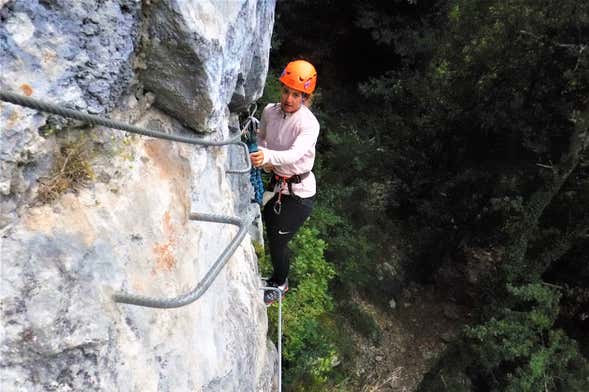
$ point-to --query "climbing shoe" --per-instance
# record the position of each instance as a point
(270, 296)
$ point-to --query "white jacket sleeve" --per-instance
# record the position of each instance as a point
(303, 143)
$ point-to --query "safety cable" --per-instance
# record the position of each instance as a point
(249, 133)
(279, 343)
(48, 107)
(242, 223)
(97, 120)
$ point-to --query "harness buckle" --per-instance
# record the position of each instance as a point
(288, 181)
(277, 207)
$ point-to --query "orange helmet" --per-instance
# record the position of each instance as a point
(299, 75)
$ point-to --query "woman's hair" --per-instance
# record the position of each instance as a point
(308, 100)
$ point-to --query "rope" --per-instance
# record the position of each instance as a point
(249, 132)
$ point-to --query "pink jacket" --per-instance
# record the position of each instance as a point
(288, 142)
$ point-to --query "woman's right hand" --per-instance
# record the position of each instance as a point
(257, 158)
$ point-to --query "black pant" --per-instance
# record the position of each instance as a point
(280, 228)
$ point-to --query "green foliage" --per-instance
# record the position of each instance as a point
(505, 62)
(448, 373)
(468, 110)
(466, 124)
(352, 206)
(362, 321)
(309, 344)
(499, 101)
(349, 249)
(518, 349)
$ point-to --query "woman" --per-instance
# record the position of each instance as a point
(286, 141)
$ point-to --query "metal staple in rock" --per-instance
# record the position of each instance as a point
(211, 274)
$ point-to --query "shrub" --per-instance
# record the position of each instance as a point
(519, 350)
(71, 171)
(309, 350)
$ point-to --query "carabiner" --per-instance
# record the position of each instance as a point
(277, 207)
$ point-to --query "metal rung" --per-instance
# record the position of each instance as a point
(203, 285)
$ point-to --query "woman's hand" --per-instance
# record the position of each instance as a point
(257, 158)
(268, 167)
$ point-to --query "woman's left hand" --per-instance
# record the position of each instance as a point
(257, 158)
(268, 167)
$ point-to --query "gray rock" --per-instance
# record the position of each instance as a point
(47, 54)
(128, 229)
(200, 56)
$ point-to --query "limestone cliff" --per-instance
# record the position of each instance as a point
(86, 212)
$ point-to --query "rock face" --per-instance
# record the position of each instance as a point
(220, 47)
(86, 212)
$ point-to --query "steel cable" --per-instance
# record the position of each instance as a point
(97, 120)
(242, 223)
(43, 106)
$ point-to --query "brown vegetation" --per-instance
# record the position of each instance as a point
(71, 171)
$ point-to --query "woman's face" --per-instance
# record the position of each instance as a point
(291, 100)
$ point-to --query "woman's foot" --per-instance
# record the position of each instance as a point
(270, 296)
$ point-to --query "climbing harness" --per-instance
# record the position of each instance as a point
(242, 223)
(285, 181)
(249, 136)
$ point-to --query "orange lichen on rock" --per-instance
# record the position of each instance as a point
(159, 152)
(165, 259)
(26, 89)
(168, 228)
